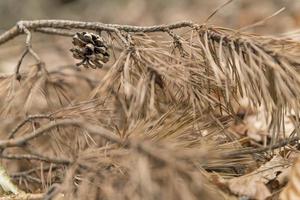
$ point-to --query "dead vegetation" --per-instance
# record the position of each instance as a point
(163, 119)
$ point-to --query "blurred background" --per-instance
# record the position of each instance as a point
(237, 14)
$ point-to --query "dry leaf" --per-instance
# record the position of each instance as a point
(256, 126)
(253, 185)
(292, 190)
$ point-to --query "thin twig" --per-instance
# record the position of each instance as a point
(30, 171)
(265, 149)
(29, 178)
(28, 119)
(21, 124)
(23, 139)
(28, 50)
(17, 71)
(36, 157)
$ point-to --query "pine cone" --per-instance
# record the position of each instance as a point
(91, 49)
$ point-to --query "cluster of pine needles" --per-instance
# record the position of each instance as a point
(154, 122)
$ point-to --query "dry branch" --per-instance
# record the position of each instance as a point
(165, 96)
(96, 26)
(20, 141)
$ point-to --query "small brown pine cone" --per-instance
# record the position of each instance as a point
(91, 49)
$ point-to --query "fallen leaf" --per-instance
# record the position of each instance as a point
(292, 190)
(253, 185)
